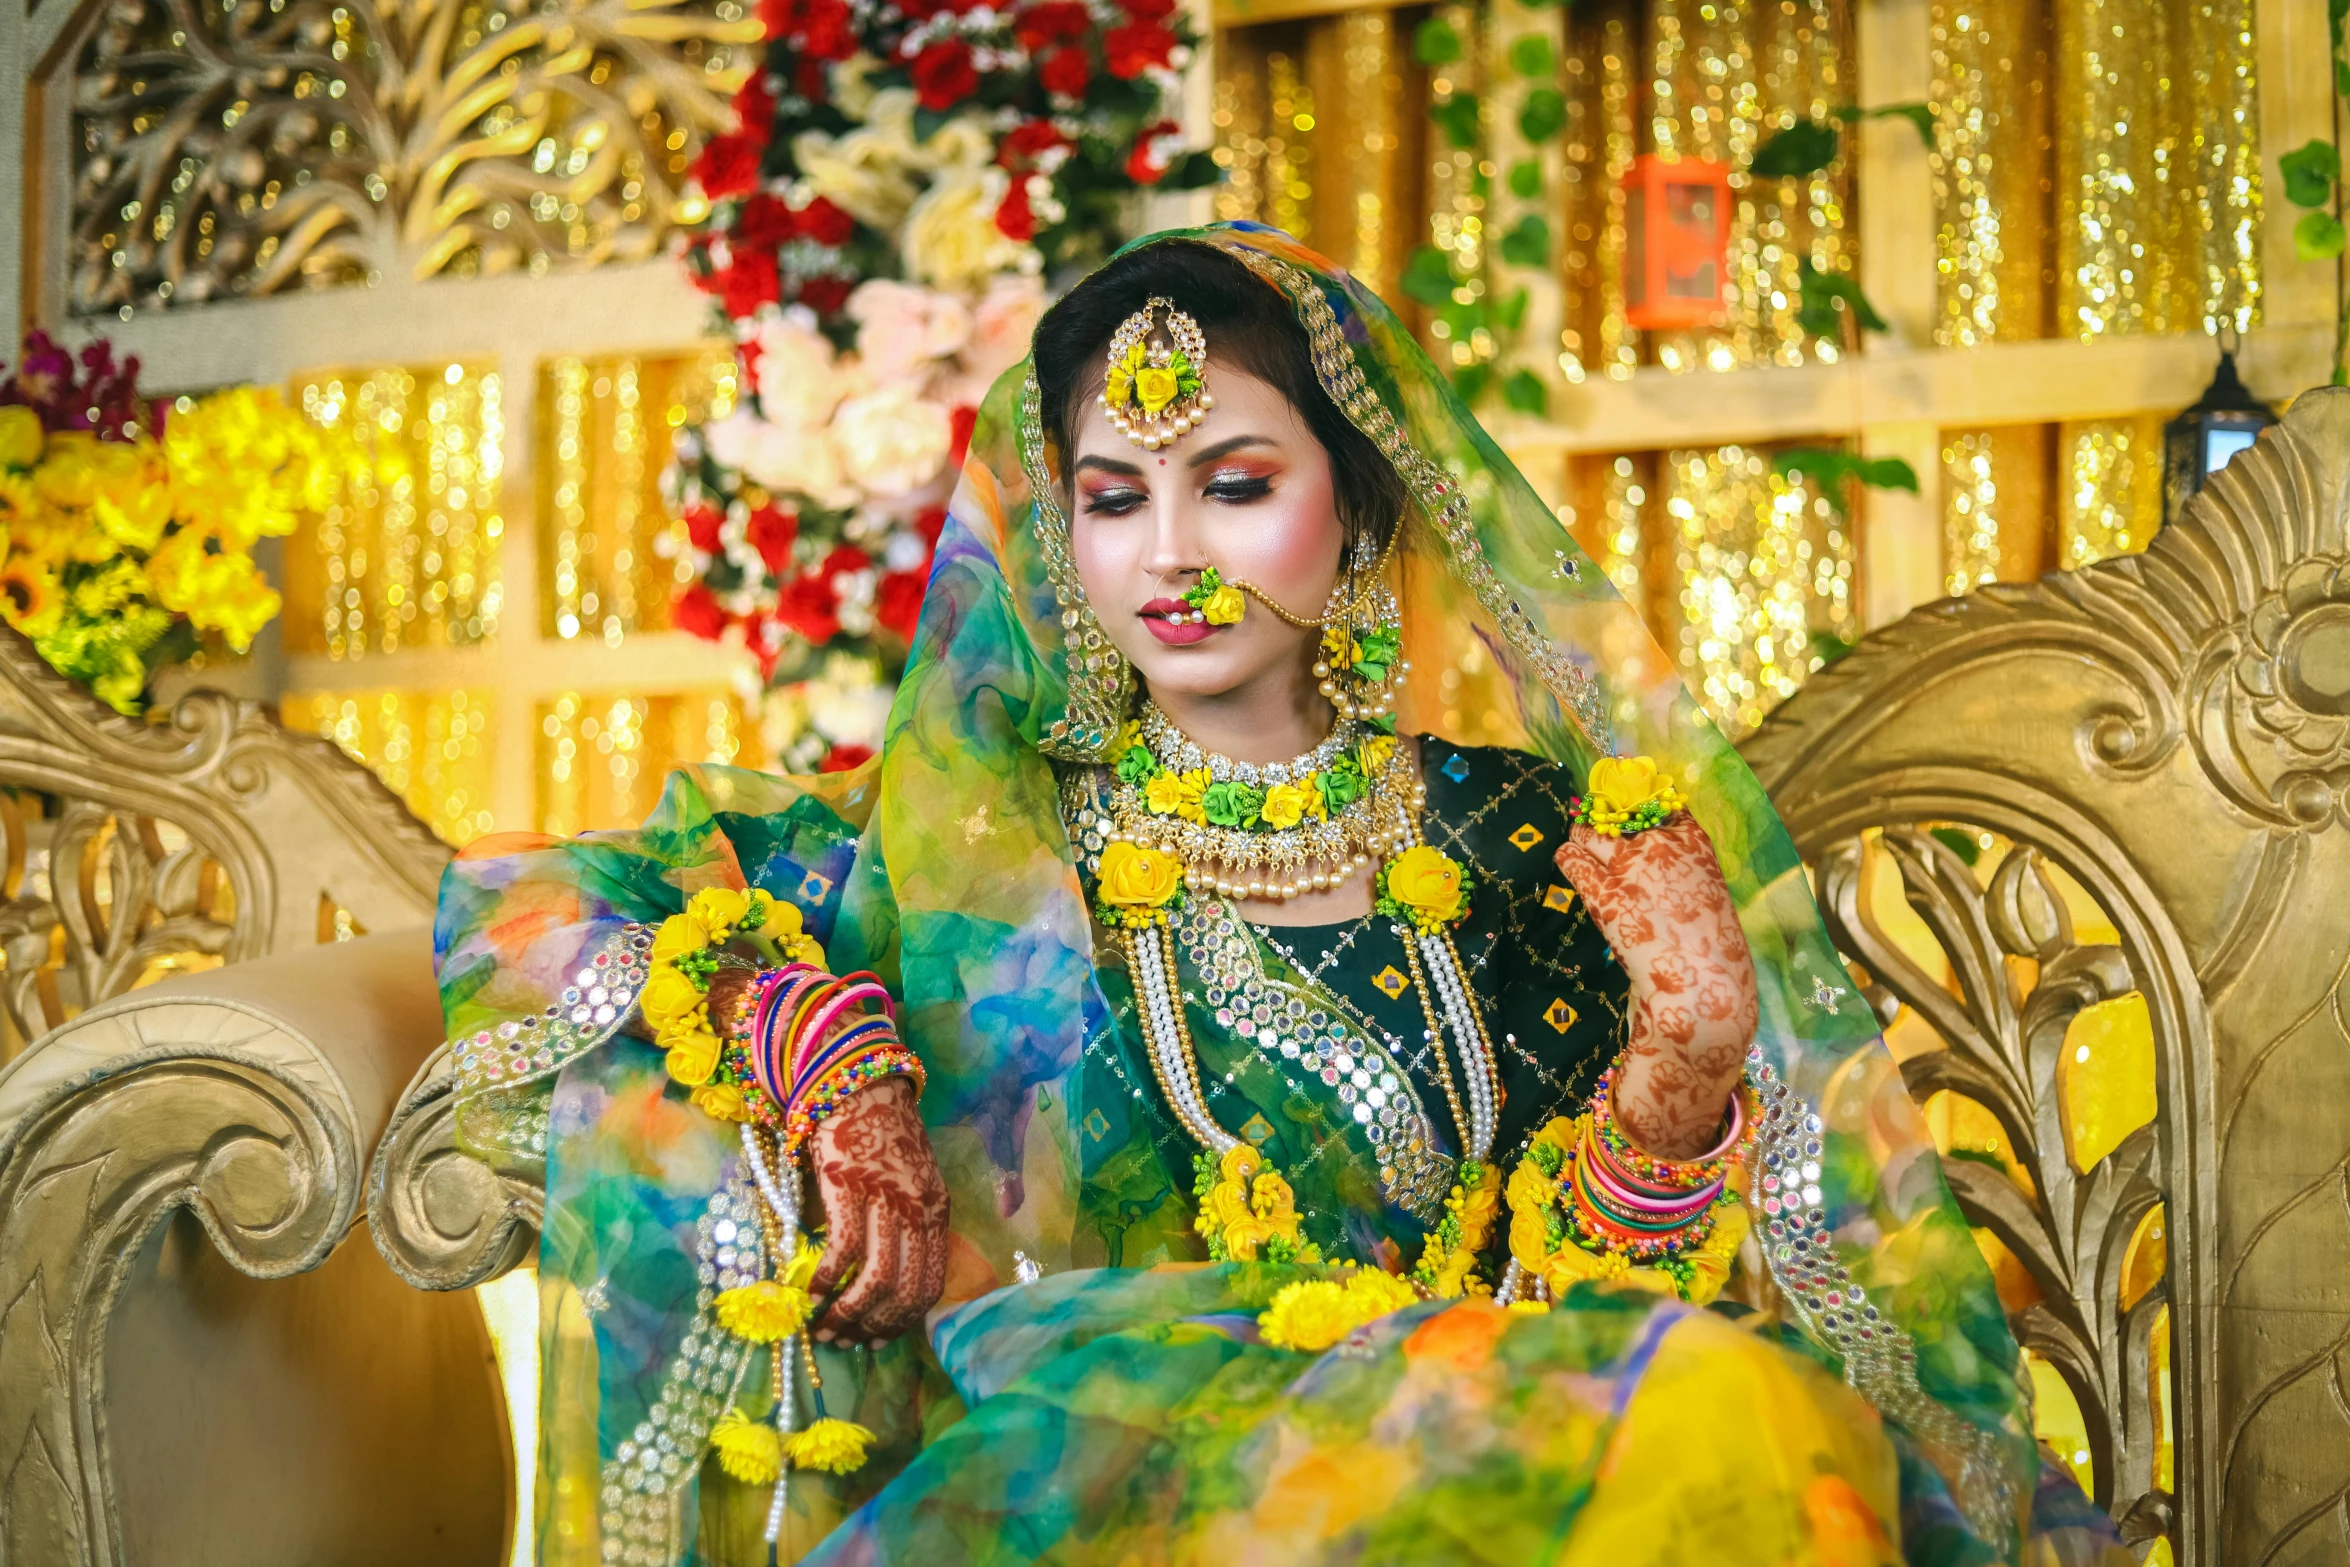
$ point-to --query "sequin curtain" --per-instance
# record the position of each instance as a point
(1995, 504)
(431, 748)
(602, 758)
(407, 554)
(1722, 78)
(1264, 128)
(605, 428)
(1368, 117)
(1993, 178)
(1601, 82)
(2110, 487)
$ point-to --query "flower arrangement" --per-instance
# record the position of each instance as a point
(901, 179)
(1625, 794)
(129, 532)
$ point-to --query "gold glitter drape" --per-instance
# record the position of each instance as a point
(1722, 77)
(1601, 82)
(407, 554)
(1995, 505)
(602, 758)
(1264, 128)
(605, 428)
(431, 748)
(2109, 499)
(1993, 171)
(1368, 96)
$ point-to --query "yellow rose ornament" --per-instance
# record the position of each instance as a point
(1626, 794)
(1424, 886)
(1135, 886)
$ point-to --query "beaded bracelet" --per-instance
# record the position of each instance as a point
(806, 1070)
(1646, 1209)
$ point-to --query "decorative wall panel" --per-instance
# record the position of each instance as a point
(223, 148)
(431, 748)
(602, 758)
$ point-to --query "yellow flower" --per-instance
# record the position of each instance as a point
(678, 935)
(1137, 878)
(1128, 738)
(693, 1052)
(1376, 752)
(29, 597)
(832, 1445)
(1427, 883)
(1374, 1293)
(1155, 385)
(20, 437)
(1177, 794)
(1621, 785)
(718, 910)
(1287, 804)
(1225, 606)
(1338, 647)
(762, 1312)
(750, 1452)
(1525, 1307)
(720, 1102)
(669, 998)
(802, 1266)
(1309, 1316)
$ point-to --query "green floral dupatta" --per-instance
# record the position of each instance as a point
(946, 867)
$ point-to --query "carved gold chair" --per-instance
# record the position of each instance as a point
(2076, 838)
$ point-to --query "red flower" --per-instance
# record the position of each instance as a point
(825, 223)
(1137, 47)
(701, 528)
(697, 611)
(843, 559)
(1150, 10)
(944, 75)
(845, 758)
(729, 167)
(1029, 140)
(810, 79)
(770, 531)
(809, 607)
(824, 295)
(963, 420)
(1065, 72)
(931, 521)
(1049, 23)
(764, 223)
(1154, 151)
(1013, 217)
(897, 603)
(820, 29)
(748, 284)
(754, 108)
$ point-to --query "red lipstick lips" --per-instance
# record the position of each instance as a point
(1160, 616)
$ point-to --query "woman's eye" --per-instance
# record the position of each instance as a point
(1238, 487)
(1111, 503)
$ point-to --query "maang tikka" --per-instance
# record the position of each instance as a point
(1157, 387)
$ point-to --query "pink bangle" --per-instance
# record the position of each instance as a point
(812, 1035)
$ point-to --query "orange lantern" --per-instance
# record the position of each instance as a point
(1677, 215)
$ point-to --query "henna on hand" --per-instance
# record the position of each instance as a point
(886, 1206)
(1660, 900)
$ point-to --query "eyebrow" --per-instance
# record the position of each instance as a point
(1226, 448)
(1108, 465)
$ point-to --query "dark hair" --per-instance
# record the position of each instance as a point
(1249, 326)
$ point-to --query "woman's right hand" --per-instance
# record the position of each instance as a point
(886, 1207)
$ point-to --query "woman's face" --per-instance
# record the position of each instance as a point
(1248, 492)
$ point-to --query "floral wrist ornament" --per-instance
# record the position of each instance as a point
(1626, 795)
(1586, 1204)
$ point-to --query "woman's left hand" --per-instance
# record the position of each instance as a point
(1659, 899)
(886, 1207)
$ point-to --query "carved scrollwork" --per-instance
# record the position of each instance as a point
(144, 1111)
(442, 1219)
(2071, 1231)
(243, 148)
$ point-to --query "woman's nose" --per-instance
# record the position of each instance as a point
(1174, 540)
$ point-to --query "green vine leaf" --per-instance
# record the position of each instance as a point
(1918, 114)
(2317, 237)
(1427, 277)
(1527, 245)
(1806, 147)
(1533, 56)
(2311, 171)
(1525, 179)
(1525, 392)
(1819, 293)
(1829, 468)
(1509, 312)
(1435, 43)
(1457, 118)
(1544, 114)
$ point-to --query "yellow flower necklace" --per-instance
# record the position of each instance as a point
(1246, 1210)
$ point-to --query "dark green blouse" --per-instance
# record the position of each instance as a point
(1277, 1072)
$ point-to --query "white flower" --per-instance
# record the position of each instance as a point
(1002, 322)
(951, 240)
(848, 703)
(901, 329)
(781, 454)
(891, 441)
(797, 378)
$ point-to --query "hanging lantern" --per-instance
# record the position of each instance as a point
(2225, 420)
(1677, 217)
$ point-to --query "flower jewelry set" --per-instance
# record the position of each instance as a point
(784, 1052)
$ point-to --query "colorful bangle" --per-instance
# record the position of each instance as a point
(1621, 1200)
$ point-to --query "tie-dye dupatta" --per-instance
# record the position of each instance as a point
(994, 950)
(946, 868)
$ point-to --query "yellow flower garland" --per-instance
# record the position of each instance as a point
(1313, 1314)
(1533, 1192)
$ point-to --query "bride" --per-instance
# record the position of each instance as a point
(1307, 1137)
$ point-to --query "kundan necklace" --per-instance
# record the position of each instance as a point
(1182, 817)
